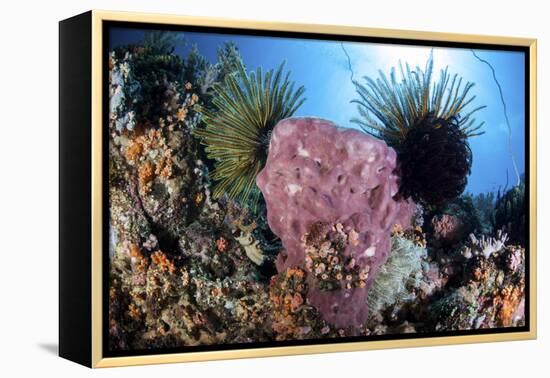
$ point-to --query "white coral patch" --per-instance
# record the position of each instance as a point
(302, 151)
(369, 252)
(293, 189)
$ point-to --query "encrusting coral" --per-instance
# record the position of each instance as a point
(491, 293)
(293, 317)
(326, 260)
(178, 274)
(448, 228)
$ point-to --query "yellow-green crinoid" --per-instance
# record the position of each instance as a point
(247, 108)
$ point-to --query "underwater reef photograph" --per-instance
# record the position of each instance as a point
(276, 189)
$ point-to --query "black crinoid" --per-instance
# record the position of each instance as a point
(435, 161)
(427, 124)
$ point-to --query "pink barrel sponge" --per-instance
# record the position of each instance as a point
(317, 172)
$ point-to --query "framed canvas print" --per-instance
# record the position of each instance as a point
(235, 189)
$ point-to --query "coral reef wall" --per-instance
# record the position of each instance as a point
(183, 267)
(333, 250)
(317, 172)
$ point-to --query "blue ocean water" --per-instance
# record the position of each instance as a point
(325, 68)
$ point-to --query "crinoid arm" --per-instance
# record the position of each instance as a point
(389, 107)
(428, 123)
(246, 108)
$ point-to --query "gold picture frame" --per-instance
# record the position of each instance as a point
(95, 21)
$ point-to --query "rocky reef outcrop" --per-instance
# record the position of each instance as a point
(338, 252)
